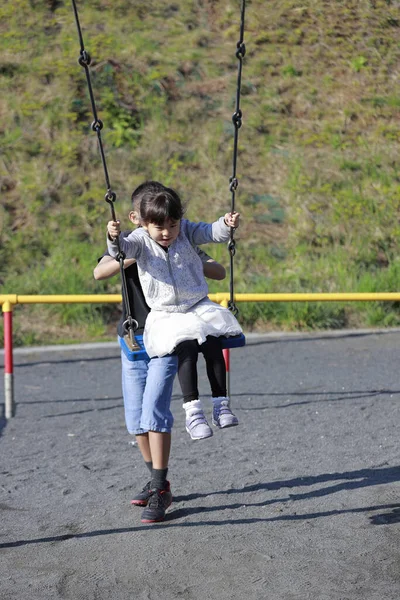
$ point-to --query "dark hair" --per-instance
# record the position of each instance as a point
(151, 187)
(156, 203)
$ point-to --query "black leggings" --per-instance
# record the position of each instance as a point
(188, 353)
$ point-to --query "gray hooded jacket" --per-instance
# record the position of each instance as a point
(172, 280)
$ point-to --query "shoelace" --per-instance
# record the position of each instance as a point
(156, 499)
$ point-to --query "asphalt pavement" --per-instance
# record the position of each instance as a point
(301, 501)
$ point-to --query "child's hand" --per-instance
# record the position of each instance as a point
(232, 219)
(113, 229)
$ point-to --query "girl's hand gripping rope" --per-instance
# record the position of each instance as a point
(232, 219)
(113, 229)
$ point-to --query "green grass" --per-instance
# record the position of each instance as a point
(318, 163)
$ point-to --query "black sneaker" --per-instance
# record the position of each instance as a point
(143, 497)
(157, 505)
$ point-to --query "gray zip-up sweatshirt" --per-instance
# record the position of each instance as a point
(172, 280)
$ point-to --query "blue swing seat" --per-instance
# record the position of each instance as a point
(134, 355)
(235, 341)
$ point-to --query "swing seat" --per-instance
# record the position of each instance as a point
(133, 355)
(235, 341)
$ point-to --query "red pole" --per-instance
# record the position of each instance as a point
(8, 354)
(226, 357)
(226, 353)
(8, 361)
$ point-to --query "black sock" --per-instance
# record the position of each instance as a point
(149, 465)
(159, 479)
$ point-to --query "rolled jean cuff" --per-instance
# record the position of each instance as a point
(141, 431)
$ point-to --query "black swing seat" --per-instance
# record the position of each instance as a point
(235, 341)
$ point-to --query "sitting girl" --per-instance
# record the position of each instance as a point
(182, 318)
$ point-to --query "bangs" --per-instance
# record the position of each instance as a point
(160, 207)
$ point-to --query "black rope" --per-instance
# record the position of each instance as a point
(233, 181)
(84, 60)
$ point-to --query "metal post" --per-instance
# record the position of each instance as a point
(226, 353)
(8, 361)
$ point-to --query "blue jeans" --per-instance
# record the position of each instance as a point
(147, 390)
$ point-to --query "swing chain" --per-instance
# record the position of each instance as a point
(233, 308)
(232, 250)
(129, 324)
(232, 247)
(110, 196)
(233, 184)
(241, 50)
(233, 181)
(97, 125)
(237, 119)
(84, 58)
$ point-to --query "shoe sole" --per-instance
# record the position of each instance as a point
(204, 437)
(153, 520)
(139, 502)
(225, 426)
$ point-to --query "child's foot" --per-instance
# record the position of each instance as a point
(222, 414)
(158, 503)
(196, 422)
(142, 498)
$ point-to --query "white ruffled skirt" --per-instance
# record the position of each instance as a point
(165, 330)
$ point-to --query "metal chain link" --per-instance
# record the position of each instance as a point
(233, 181)
(110, 197)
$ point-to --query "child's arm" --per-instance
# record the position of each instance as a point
(130, 245)
(108, 267)
(232, 219)
(219, 231)
(214, 270)
(211, 268)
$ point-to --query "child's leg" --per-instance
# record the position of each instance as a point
(216, 371)
(160, 444)
(134, 376)
(158, 419)
(187, 353)
(142, 440)
(215, 365)
(196, 423)
(160, 448)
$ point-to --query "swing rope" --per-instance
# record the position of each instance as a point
(233, 181)
(130, 325)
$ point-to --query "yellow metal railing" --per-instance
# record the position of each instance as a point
(218, 297)
(8, 301)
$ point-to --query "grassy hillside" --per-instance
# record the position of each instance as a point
(319, 163)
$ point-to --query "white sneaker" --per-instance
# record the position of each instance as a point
(196, 423)
(222, 414)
